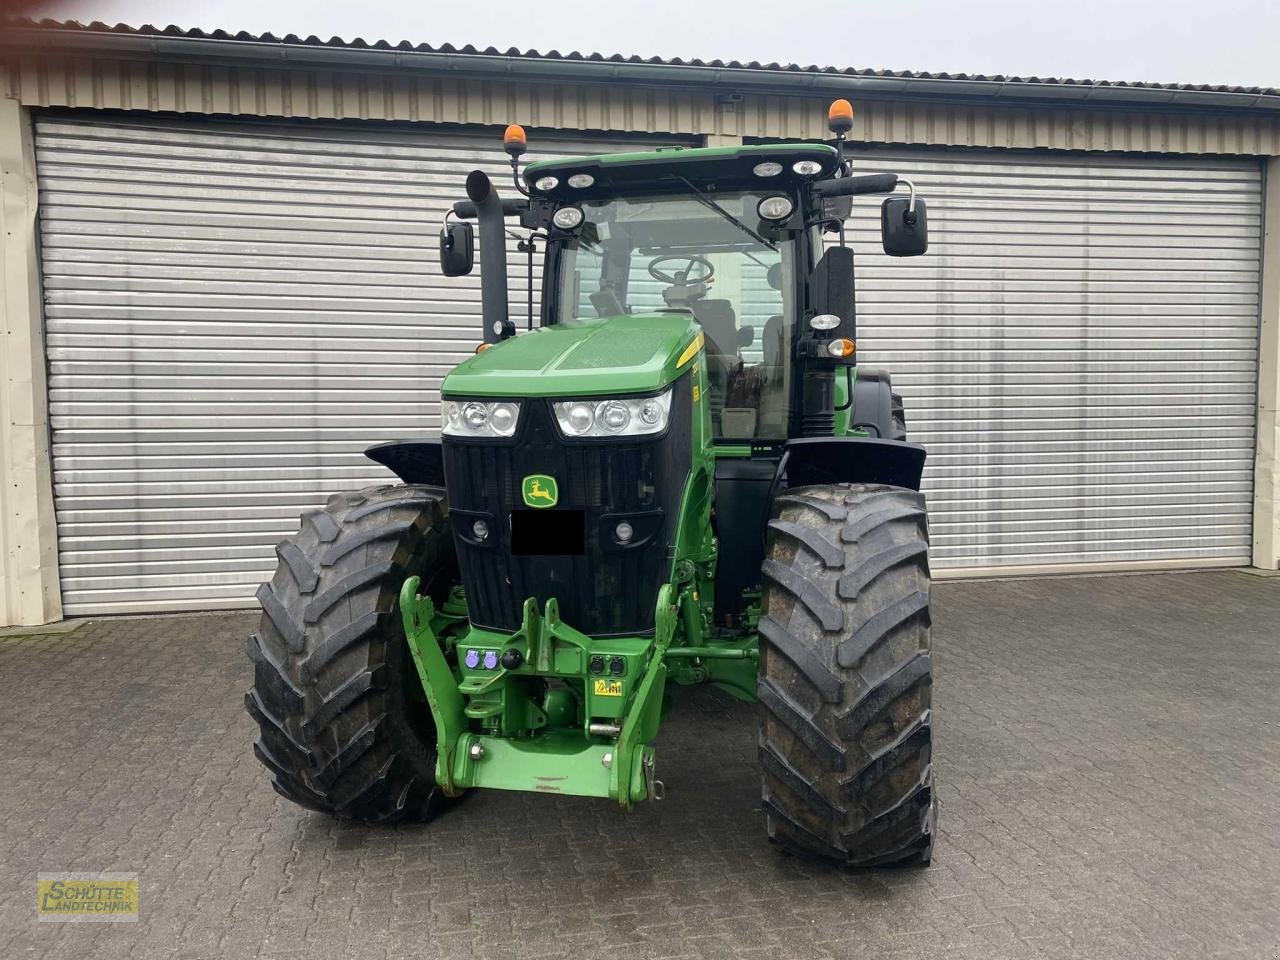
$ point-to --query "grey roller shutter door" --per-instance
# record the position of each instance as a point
(1078, 351)
(233, 313)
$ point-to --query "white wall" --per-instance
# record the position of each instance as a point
(28, 535)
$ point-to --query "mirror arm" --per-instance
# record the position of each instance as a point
(911, 200)
(466, 210)
(856, 186)
(825, 220)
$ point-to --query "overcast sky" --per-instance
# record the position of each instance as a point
(1182, 41)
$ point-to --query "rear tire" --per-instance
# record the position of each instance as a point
(343, 722)
(845, 676)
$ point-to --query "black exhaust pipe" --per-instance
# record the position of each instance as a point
(493, 257)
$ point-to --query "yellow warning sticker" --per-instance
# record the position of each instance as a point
(608, 688)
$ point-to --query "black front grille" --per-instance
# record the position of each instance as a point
(606, 591)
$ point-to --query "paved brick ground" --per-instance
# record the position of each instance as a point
(1108, 755)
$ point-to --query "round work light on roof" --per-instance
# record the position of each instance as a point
(775, 208)
(566, 218)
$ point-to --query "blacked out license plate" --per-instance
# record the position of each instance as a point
(548, 533)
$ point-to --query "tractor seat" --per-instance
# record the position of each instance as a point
(720, 328)
(719, 325)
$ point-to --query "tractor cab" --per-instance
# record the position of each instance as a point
(736, 238)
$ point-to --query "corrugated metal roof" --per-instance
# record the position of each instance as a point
(1262, 94)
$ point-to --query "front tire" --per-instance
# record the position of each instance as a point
(845, 676)
(344, 727)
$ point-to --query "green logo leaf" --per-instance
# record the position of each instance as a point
(539, 490)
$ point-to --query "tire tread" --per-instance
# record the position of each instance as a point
(846, 676)
(336, 728)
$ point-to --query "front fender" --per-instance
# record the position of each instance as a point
(413, 461)
(810, 460)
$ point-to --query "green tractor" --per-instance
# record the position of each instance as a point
(677, 475)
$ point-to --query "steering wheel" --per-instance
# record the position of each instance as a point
(681, 277)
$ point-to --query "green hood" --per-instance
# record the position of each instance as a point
(614, 355)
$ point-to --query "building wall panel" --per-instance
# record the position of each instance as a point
(415, 96)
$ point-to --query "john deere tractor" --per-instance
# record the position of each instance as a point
(676, 475)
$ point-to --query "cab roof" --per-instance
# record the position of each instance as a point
(705, 166)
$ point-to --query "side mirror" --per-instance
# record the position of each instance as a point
(457, 249)
(904, 232)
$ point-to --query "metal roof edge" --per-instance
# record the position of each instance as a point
(773, 79)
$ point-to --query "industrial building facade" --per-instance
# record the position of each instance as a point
(220, 285)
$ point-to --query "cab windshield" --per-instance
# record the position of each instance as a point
(712, 256)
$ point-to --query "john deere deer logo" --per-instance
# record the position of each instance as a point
(539, 490)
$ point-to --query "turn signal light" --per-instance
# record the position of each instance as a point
(514, 140)
(840, 116)
(483, 347)
(841, 347)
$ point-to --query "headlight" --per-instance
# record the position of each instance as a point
(479, 418)
(580, 181)
(576, 418)
(503, 417)
(614, 417)
(767, 169)
(807, 168)
(546, 183)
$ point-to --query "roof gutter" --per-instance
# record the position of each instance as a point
(761, 80)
